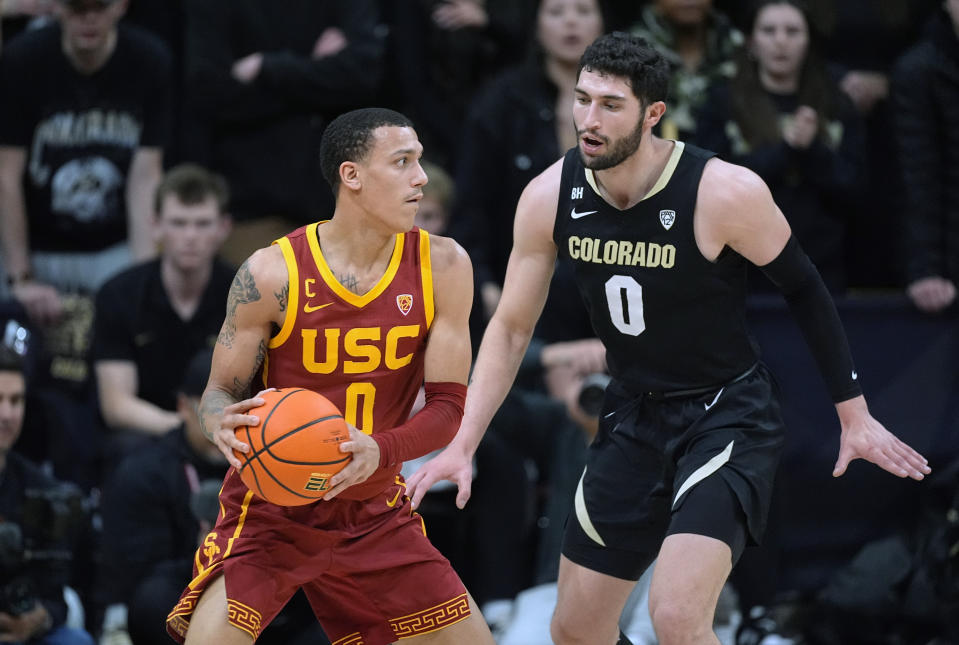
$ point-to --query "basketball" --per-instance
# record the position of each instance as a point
(295, 449)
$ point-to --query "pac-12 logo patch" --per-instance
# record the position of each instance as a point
(666, 218)
(405, 302)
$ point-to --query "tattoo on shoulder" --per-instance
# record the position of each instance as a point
(349, 281)
(242, 291)
(282, 296)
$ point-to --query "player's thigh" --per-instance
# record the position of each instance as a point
(210, 620)
(469, 631)
(689, 574)
(588, 600)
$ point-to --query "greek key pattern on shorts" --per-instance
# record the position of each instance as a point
(353, 639)
(428, 620)
(246, 618)
(179, 617)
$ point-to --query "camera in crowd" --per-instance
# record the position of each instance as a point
(592, 392)
(49, 521)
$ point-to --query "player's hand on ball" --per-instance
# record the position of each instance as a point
(451, 464)
(366, 459)
(233, 417)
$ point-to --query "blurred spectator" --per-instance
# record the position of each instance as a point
(80, 153)
(440, 52)
(862, 40)
(152, 318)
(433, 213)
(264, 79)
(518, 126)
(698, 42)
(783, 117)
(39, 520)
(156, 512)
(926, 107)
(82, 126)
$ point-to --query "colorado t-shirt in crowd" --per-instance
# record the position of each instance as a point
(80, 132)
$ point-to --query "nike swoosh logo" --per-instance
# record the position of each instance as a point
(576, 215)
(716, 398)
(308, 308)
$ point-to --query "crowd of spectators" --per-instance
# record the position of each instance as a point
(147, 147)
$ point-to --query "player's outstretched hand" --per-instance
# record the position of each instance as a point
(863, 437)
(366, 459)
(234, 416)
(451, 464)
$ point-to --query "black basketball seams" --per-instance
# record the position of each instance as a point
(266, 446)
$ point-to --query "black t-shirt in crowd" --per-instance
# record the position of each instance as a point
(136, 322)
(80, 132)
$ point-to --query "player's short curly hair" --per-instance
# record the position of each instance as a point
(349, 137)
(630, 57)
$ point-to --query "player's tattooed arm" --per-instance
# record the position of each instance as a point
(242, 291)
(241, 388)
(282, 296)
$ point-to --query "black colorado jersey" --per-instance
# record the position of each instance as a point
(669, 318)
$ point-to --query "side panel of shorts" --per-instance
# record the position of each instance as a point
(650, 452)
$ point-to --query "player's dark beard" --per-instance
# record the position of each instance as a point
(618, 151)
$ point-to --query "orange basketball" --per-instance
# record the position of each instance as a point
(295, 449)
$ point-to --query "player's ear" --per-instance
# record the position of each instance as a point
(350, 175)
(654, 112)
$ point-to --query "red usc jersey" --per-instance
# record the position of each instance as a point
(363, 352)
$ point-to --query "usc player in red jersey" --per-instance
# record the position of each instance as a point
(363, 308)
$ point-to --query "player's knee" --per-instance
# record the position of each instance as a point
(560, 629)
(677, 622)
(566, 630)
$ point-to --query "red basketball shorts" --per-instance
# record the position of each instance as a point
(370, 574)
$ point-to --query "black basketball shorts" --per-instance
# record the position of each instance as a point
(700, 463)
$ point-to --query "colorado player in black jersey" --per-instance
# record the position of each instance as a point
(659, 234)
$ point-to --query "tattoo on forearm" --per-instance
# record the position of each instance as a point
(242, 291)
(211, 410)
(349, 281)
(241, 390)
(282, 295)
